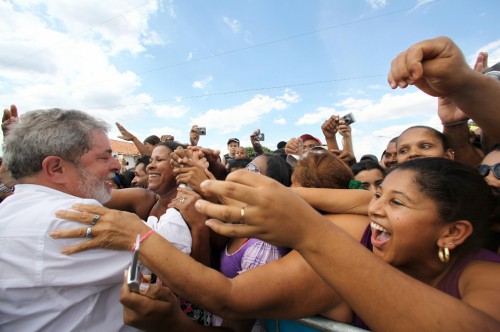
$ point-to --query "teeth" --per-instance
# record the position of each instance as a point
(378, 227)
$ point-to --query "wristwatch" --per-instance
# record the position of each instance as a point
(5, 189)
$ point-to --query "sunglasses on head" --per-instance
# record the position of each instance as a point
(253, 168)
(484, 170)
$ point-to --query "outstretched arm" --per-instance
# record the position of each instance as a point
(285, 288)
(128, 136)
(370, 286)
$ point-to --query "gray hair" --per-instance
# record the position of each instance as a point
(52, 132)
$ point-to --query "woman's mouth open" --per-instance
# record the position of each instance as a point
(380, 235)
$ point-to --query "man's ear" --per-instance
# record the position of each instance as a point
(55, 169)
(455, 234)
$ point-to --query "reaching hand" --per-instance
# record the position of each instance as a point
(346, 156)
(273, 212)
(344, 130)
(294, 146)
(184, 202)
(125, 134)
(9, 117)
(114, 230)
(194, 136)
(330, 126)
(167, 138)
(436, 66)
(156, 308)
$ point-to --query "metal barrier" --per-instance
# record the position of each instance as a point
(309, 324)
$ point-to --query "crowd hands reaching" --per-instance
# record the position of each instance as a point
(231, 240)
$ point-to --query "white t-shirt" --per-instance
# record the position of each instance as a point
(44, 290)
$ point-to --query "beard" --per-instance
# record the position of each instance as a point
(94, 187)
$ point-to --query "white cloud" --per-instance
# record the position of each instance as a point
(231, 120)
(189, 56)
(170, 111)
(290, 96)
(280, 121)
(393, 107)
(388, 107)
(203, 83)
(320, 116)
(376, 4)
(178, 135)
(61, 54)
(169, 8)
(235, 25)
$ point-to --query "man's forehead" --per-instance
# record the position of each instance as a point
(100, 143)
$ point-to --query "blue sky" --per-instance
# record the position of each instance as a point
(158, 67)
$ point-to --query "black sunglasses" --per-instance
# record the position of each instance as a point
(485, 169)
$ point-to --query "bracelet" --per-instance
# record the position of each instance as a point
(144, 237)
(455, 123)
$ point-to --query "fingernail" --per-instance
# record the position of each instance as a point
(198, 204)
(143, 288)
(53, 234)
(204, 184)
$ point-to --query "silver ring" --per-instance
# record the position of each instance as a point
(88, 233)
(95, 219)
(182, 199)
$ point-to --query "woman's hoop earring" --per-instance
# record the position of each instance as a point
(444, 254)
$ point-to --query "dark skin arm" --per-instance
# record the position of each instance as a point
(128, 136)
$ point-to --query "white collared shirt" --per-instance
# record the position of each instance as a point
(44, 290)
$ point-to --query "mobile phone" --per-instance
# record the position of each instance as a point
(134, 277)
(202, 130)
(348, 119)
(261, 137)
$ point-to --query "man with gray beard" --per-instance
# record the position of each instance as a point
(58, 158)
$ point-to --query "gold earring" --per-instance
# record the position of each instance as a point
(444, 254)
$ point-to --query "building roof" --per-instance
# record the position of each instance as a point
(123, 148)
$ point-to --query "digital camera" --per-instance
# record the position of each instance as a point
(348, 119)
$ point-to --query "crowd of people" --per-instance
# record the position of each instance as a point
(235, 242)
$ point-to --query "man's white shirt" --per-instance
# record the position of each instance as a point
(44, 290)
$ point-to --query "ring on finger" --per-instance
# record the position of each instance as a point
(95, 219)
(88, 233)
(182, 199)
(242, 215)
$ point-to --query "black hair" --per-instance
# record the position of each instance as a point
(238, 164)
(366, 165)
(459, 192)
(143, 159)
(126, 178)
(153, 140)
(172, 145)
(278, 169)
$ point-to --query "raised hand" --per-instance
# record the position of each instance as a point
(9, 117)
(273, 212)
(294, 146)
(194, 136)
(436, 66)
(125, 134)
(344, 130)
(330, 126)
